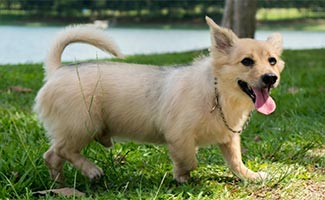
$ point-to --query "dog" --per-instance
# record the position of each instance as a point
(206, 103)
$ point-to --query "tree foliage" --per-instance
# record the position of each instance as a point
(126, 5)
(163, 9)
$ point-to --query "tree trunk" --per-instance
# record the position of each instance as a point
(227, 18)
(239, 15)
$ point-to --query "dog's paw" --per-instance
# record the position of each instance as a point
(94, 173)
(57, 175)
(261, 176)
(182, 178)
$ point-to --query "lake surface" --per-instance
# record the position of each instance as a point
(30, 44)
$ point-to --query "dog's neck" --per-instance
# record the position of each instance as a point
(218, 107)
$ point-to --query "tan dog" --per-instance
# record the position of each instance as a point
(186, 107)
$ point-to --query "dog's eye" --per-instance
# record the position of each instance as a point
(248, 62)
(272, 61)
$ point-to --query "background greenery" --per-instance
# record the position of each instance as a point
(148, 11)
(288, 144)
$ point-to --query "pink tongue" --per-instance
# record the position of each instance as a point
(264, 103)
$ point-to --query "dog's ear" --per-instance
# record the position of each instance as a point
(276, 41)
(222, 39)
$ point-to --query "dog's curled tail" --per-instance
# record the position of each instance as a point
(73, 34)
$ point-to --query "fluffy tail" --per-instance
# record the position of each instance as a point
(83, 34)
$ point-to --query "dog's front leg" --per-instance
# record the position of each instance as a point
(183, 154)
(232, 154)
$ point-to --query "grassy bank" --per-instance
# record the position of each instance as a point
(289, 144)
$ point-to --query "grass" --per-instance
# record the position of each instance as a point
(289, 144)
(290, 19)
(274, 14)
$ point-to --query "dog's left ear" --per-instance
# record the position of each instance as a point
(276, 41)
(222, 39)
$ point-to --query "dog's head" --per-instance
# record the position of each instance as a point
(250, 66)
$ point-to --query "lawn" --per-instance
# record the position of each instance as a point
(288, 144)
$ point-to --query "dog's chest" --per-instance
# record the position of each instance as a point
(212, 131)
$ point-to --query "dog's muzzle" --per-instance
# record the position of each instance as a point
(267, 82)
(260, 95)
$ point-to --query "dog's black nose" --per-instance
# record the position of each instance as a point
(269, 79)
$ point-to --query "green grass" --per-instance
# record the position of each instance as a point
(288, 144)
(290, 19)
(274, 14)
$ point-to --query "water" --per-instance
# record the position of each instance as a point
(30, 44)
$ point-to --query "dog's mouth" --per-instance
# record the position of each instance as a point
(247, 89)
(260, 96)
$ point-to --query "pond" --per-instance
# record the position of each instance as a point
(19, 44)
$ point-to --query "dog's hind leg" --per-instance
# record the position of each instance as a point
(55, 164)
(70, 150)
(183, 153)
(232, 154)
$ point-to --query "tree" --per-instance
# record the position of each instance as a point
(239, 15)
